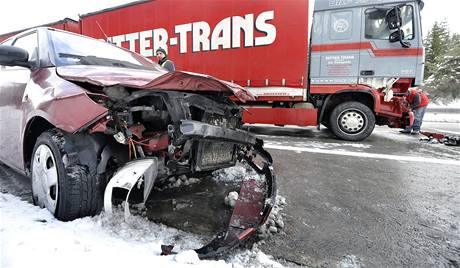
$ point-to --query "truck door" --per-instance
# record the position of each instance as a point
(335, 46)
(381, 59)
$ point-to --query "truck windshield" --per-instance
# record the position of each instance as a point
(73, 49)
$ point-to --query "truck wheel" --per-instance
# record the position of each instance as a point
(352, 121)
(59, 182)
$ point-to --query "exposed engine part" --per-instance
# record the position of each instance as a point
(172, 134)
(120, 137)
(117, 93)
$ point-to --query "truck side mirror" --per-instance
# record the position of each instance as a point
(395, 22)
(394, 18)
(13, 56)
(396, 36)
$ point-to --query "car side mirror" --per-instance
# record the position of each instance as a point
(13, 56)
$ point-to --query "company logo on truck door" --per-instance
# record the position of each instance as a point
(225, 35)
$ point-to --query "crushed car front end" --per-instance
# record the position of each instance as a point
(170, 134)
(153, 135)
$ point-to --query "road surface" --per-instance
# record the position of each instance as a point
(389, 201)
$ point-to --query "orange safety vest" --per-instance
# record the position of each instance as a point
(424, 100)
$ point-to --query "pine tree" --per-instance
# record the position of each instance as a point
(444, 83)
(437, 45)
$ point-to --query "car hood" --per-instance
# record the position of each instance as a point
(151, 79)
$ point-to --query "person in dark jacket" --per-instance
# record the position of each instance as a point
(164, 61)
(418, 102)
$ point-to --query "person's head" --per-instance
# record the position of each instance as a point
(161, 53)
(411, 91)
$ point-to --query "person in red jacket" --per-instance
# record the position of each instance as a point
(418, 102)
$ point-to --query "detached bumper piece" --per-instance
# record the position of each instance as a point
(255, 202)
(196, 129)
(257, 194)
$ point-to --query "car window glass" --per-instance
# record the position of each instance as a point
(376, 25)
(30, 44)
(73, 49)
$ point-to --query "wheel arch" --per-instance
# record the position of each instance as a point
(365, 97)
(34, 128)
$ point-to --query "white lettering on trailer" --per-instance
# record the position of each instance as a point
(160, 39)
(173, 41)
(247, 25)
(263, 26)
(221, 34)
(200, 36)
(131, 38)
(182, 30)
(144, 43)
(225, 35)
(118, 39)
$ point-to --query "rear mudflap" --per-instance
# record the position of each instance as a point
(200, 208)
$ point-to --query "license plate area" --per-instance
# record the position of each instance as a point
(214, 154)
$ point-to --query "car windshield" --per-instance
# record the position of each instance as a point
(73, 49)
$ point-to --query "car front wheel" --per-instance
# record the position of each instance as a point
(59, 182)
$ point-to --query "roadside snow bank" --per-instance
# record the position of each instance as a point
(450, 105)
(32, 237)
(441, 117)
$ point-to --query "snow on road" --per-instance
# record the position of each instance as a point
(407, 158)
(441, 117)
(32, 237)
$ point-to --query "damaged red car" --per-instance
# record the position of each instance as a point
(92, 124)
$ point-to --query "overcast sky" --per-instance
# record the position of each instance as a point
(20, 14)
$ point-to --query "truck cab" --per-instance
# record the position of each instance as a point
(356, 42)
(366, 54)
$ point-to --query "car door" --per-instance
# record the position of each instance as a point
(13, 82)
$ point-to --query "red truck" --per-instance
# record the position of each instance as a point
(349, 74)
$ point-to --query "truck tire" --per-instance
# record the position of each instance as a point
(352, 121)
(59, 182)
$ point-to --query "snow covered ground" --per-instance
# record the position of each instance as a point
(445, 113)
(452, 105)
(32, 237)
(442, 117)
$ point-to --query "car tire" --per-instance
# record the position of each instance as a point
(352, 121)
(60, 182)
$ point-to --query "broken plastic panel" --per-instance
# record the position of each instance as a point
(200, 207)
